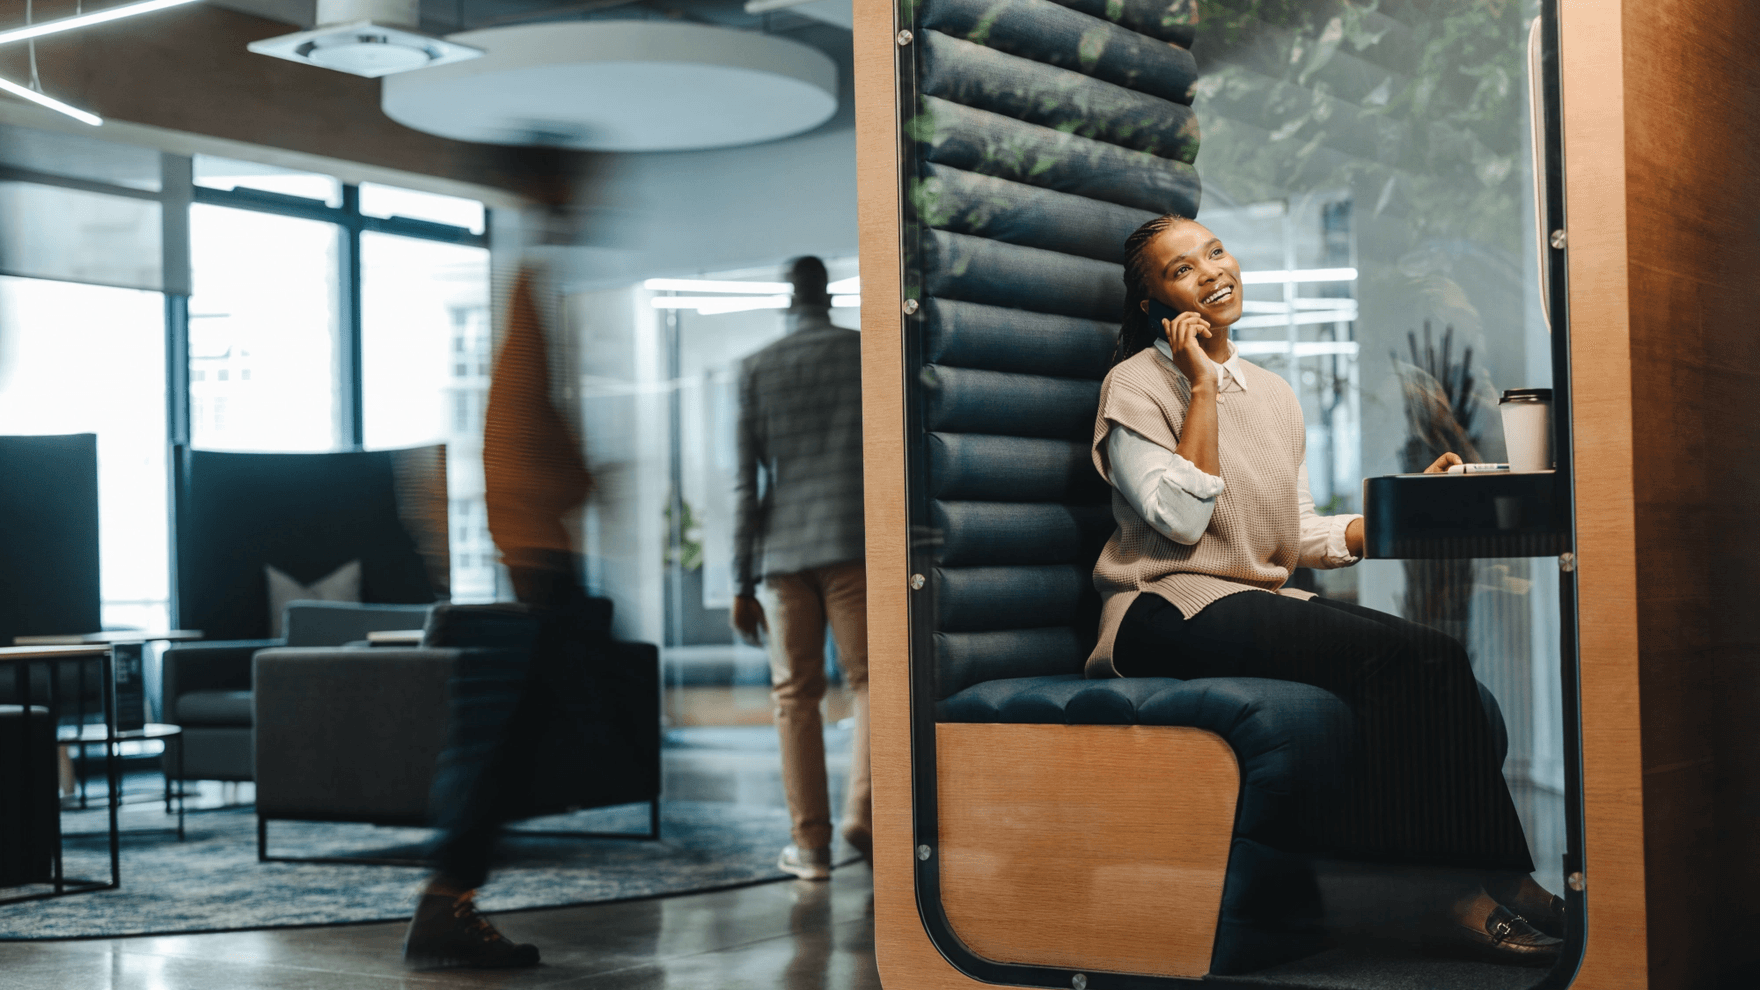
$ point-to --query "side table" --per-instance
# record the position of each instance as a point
(127, 657)
(27, 750)
(96, 733)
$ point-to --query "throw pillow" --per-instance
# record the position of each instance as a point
(341, 585)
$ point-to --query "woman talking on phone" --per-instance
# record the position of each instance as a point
(1205, 454)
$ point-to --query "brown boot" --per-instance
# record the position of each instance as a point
(450, 933)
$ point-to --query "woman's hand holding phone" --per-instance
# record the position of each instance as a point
(1198, 436)
(1184, 333)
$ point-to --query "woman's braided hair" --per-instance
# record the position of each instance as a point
(1136, 333)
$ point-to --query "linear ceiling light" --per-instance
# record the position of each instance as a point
(846, 286)
(35, 97)
(86, 20)
(711, 285)
(712, 305)
(1303, 348)
(1300, 275)
(1308, 318)
(845, 301)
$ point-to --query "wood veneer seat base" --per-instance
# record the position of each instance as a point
(1098, 847)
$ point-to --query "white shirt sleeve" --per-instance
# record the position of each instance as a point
(1171, 494)
(1323, 543)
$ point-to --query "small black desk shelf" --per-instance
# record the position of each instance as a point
(1501, 514)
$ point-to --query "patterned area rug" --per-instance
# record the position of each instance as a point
(213, 882)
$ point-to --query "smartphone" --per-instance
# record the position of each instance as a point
(1159, 311)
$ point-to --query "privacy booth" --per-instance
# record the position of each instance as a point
(1395, 180)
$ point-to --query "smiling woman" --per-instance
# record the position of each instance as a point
(1186, 601)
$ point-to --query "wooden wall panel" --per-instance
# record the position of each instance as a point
(1692, 94)
(901, 946)
(1591, 47)
(1038, 855)
(1663, 186)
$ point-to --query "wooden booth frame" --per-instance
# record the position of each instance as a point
(1583, 47)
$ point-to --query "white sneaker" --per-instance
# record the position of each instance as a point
(808, 864)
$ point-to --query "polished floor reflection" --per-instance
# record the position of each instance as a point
(787, 936)
(791, 935)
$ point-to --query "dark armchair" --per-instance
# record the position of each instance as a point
(48, 536)
(358, 735)
(208, 686)
(306, 515)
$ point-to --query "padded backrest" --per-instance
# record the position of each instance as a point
(305, 514)
(48, 536)
(1044, 133)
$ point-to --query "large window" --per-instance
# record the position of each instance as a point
(91, 359)
(263, 332)
(425, 353)
(319, 316)
(328, 316)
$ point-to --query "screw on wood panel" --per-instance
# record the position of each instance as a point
(1557, 239)
(904, 38)
(923, 853)
(917, 582)
(910, 307)
(1079, 981)
(1567, 562)
(1576, 881)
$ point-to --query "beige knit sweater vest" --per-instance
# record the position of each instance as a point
(1254, 538)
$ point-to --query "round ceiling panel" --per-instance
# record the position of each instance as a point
(619, 86)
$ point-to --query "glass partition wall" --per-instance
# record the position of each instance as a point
(1373, 168)
(659, 368)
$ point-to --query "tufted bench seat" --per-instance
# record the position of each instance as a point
(1289, 744)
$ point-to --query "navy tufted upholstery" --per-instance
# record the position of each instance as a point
(1291, 739)
(1044, 133)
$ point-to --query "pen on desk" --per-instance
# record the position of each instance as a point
(1476, 468)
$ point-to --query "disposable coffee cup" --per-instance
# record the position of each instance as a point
(1527, 428)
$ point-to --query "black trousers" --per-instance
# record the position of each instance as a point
(503, 703)
(1425, 785)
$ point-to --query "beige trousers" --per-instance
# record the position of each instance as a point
(797, 608)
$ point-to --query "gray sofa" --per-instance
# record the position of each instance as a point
(208, 685)
(374, 735)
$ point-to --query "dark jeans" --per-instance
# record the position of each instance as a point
(504, 701)
(1426, 786)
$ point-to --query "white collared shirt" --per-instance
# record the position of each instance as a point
(1176, 498)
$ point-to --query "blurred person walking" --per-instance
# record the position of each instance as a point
(798, 554)
(534, 479)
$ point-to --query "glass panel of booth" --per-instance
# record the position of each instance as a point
(658, 375)
(1395, 141)
(1371, 167)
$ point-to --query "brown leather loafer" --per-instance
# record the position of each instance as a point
(1550, 919)
(1505, 937)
